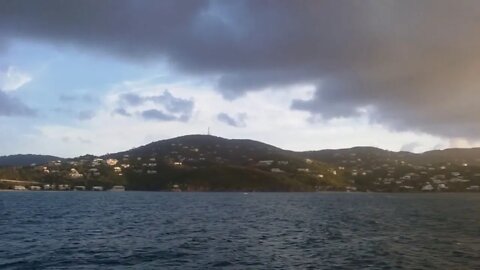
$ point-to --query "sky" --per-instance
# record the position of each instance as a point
(96, 77)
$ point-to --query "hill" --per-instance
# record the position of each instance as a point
(202, 162)
(209, 163)
(374, 169)
(25, 160)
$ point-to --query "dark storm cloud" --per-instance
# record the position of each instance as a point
(238, 121)
(414, 64)
(10, 106)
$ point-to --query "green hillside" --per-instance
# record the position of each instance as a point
(209, 163)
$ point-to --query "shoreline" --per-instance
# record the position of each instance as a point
(237, 191)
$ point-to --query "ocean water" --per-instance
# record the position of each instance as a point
(158, 230)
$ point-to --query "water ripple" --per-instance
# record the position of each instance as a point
(141, 230)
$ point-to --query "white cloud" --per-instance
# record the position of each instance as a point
(463, 143)
(270, 120)
(12, 79)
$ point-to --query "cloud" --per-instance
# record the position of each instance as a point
(158, 115)
(85, 115)
(122, 112)
(132, 99)
(178, 108)
(269, 121)
(173, 104)
(413, 63)
(12, 79)
(10, 106)
(238, 121)
(409, 147)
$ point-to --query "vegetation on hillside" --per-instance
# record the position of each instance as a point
(208, 163)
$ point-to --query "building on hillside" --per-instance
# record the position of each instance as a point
(427, 187)
(276, 170)
(74, 174)
(265, 162)
(35, 188)
(112, 161)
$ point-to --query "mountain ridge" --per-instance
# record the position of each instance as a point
(210, 163)
(353, 148)
(26, 159)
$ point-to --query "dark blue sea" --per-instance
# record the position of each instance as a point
(157, 230)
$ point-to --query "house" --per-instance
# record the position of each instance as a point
(305, 170)
(473, 188)
(63, 187)
(117, 169)
(276, 170)
(282, 162)
(75, 174)
(176, 188)
(94, 172)
(265, 162)
(19, 188)
(438, 181)
(458, 180)
(442, 187)
(55, 163)
(350, 189)
(97, 188)
(97, 162)
(151, 172)
(427, 187)
(112, 161)
(79, 188)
